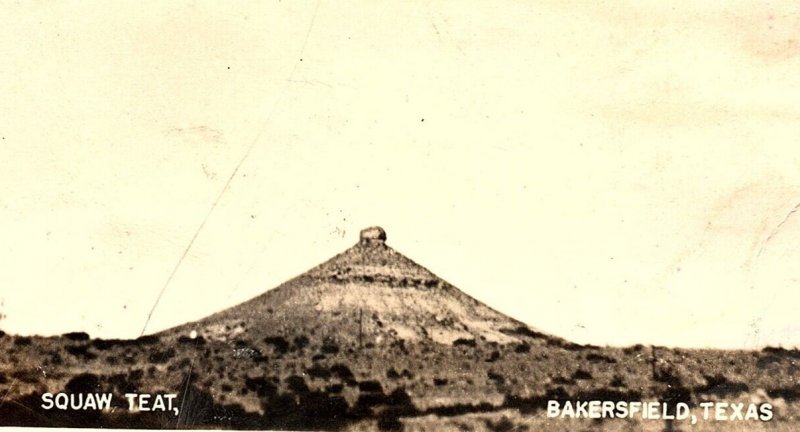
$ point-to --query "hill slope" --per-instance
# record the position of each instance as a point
(369, 294)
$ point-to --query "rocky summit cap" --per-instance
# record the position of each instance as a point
(373, 234)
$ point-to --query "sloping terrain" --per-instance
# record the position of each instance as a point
(371, 340)
(367, 295)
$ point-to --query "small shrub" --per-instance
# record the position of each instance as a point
(370, 386)
(260, 386)
(55, 359)
(634, 349)
(22, 341)
(279, 344)
(148, 339)
(159, 357)
(83, 383)
(496, 377)
(76, 336)
(301, 341)
(581, 374)
(317, 371)
(297, 384)
(334, 388)
(81, 351)
(341, 371)
(465, 342)
(600, 358)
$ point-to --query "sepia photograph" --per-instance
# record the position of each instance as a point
(400, 216)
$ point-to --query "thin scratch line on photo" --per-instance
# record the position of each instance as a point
(233, 174)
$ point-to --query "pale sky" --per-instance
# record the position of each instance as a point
(609, 172)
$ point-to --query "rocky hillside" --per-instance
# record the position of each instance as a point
(370, 340)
